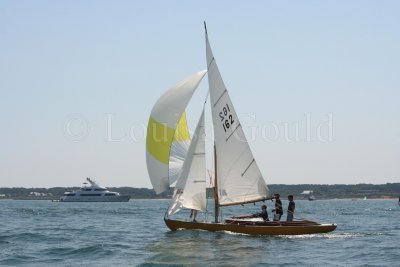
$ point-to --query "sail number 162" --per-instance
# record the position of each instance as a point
(226, 117)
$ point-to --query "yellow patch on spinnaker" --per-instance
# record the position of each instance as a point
(160, 137)
(182, 132)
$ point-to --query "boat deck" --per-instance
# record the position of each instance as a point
(271, 223)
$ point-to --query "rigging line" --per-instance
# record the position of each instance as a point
(207, 197)
(246, 202)
(205, 100)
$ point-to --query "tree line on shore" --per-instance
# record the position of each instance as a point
(320, 191)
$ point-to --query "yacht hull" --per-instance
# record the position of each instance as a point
(96, 199)
(251, 228)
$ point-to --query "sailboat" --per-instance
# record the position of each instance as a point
(173, 158)
(309, 194)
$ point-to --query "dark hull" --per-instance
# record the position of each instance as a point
(250, 228)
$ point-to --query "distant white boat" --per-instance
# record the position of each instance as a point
(309, 195)
(93, 192)
(365, 198)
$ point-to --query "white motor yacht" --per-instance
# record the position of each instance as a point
(92, 192)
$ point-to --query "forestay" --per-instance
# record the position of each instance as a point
(167, 140)
(239, 178)
(190, 188)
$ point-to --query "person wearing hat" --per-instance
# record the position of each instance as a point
(278, 208)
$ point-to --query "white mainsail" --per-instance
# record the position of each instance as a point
(167, 134)
(239, 178)
(190, 188)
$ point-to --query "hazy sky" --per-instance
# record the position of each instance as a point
(78, 80)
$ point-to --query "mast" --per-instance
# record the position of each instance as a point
(216, 201)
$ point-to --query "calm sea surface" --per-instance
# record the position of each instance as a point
(43, 233)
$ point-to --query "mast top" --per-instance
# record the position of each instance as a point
(205, 27)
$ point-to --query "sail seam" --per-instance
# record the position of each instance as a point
(248, 167)
(198, 154)
(220, 97)
(232, 133)
(212, 60)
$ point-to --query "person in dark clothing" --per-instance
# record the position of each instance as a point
(290, 209)
(193, 214)
(263, 214)
(278, 208)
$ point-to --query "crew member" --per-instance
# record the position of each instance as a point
(290, 209)
(278, 208)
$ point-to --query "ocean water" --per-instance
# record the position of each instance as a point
(44, 233)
